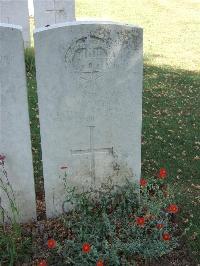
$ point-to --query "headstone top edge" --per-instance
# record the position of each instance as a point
(11, 26)
(77, 23)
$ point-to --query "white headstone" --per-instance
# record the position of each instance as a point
(53, 11)
(89, 78)
(15, 142)
(16, 12)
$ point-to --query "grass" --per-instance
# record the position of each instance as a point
(171, 28)
(171, 136)
(171, 98)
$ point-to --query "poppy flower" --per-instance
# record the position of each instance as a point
(140, 221)
(143, 182)
(159, 225)
(172, 208)
(86, 247)
(162, 173)
(166, 236)
(51, 243)
(100, 263)
(42, 263)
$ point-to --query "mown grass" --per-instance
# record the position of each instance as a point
(171, 28)
(170, 136)
(171, 99)
(34, 118)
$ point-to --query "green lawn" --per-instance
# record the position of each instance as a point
(171, 98)
(171, 27)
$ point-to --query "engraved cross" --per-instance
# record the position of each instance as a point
(92, 150)
(7, 20)
(56, 11)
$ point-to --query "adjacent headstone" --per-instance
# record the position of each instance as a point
(53, 11)
(15, 142)
(16, 12)
(89, 80)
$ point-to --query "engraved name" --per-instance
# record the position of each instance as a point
(6, 60)
(89, 54)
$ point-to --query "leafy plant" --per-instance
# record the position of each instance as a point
(30, 60)
(12, 247)
(117, 225)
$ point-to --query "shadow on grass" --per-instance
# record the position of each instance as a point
(171, 138)
(35, 132)
(170, 135)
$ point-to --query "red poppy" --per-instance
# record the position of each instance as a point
(159, 226)
(100, 263)
(140, 221)
(2, 157)
(51, 243)
(162, 173)
(86, 247)
(42, 263)
(172, 208)
(166, 236)
(143, 182)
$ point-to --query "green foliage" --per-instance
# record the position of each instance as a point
(106, 219)
(12, 247)
(162, 21)
(171, 100)
(34, 118)
(171, 133)
(30, 60)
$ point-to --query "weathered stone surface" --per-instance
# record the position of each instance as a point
(89, 78)
(53, 11)
(16, 12)
(15, 141)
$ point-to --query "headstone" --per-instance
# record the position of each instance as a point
(16, 12)
(15, 142)
(89, 78)
(53, 11)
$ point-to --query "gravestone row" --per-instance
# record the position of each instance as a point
(15, 141)
(16, 12)
(53, 11)
(89, 82)
(46, 12)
